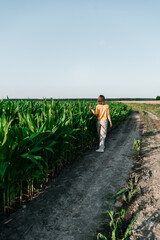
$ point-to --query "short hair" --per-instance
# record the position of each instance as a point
(101, 99)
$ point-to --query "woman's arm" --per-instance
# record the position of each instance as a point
(109, 118)
(93, 111)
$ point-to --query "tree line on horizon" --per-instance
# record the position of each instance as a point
(81, 99)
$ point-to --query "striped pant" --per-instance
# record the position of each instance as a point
(102, 132)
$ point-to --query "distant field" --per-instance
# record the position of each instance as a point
(147, 102)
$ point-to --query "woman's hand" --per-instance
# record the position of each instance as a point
(110, 124)
(92, 110)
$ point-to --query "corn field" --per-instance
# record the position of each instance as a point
(38, 138)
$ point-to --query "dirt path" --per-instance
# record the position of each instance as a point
(148, 204)
(74, 207)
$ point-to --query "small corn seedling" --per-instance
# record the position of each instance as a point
(127, 193)
(101, 237)
(136, 146)
(116, 225)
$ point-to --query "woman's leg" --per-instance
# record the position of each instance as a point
(98, 129)
(103, 133)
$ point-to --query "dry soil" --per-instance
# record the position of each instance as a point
(147, 205)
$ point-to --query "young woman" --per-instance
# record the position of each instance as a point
(103, 115)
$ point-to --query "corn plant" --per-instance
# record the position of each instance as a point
(118, 232)
(136, 146)
(127, 193)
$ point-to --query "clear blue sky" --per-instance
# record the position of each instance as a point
(68, 49)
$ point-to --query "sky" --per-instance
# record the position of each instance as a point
(79, 49)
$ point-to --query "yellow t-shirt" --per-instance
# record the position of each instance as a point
(102, 111)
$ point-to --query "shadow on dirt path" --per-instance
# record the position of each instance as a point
(74, 204)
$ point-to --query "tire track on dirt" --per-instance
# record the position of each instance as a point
(75, 203)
